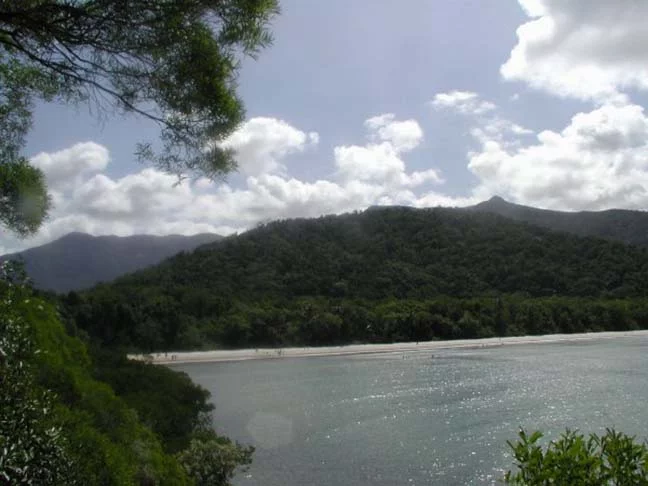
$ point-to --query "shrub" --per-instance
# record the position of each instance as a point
(611, 459)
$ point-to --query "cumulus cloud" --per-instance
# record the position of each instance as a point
(139, 196)
(586, 49)
(153, 202)
(65, 167)
(262, 143)
(597, 161)
(380, 160)
(465, 102)
(379, 164)
(403, 136)
(590, 50)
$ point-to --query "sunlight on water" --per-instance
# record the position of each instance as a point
(440, 418)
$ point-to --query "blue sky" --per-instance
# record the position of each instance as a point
(424, 103)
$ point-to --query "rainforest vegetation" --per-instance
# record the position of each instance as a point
(387, 274)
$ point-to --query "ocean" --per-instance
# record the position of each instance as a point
(418, 418)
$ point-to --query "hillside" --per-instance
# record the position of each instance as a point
(615, 224)
(403, 252)
(267, 284)
(78, 261)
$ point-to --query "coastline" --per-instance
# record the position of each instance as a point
(219, 356)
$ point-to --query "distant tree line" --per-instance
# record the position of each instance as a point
(320, 321)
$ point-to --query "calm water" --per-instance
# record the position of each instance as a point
(426, 418)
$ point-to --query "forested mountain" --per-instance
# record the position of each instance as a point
(614, 224)
(402, 253)
(340, 278)
(78, 260)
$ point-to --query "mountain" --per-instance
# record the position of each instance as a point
(263, 286)
(615, 224)
(401, 252)
(78, 261)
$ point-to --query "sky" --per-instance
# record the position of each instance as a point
(376, 102)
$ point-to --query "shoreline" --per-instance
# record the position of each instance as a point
(222, 356)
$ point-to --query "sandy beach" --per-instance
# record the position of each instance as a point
(357, 349)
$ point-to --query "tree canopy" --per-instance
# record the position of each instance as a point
(387, 274)
(174, 62)
(23, 196)
(32, 449)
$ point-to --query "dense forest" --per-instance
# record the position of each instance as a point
(382, 275)
(613, 224)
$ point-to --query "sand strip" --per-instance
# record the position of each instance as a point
(357, 349)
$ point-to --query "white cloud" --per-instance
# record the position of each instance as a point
(598, 161)
(402, 135)
(586, 49)
(591, 50)
(261, 143)
(369, 163)
(380, 161)
(139, 196)
(379, 164)
(153, 202)
(65, 167)
(464, 102)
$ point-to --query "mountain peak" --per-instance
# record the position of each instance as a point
(494, 202)
(76, 235)
(497, 199)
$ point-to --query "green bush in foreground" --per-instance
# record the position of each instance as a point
(611, 459)
(212, 461)
(33, 449)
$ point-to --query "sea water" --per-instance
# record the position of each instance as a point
(436, 417)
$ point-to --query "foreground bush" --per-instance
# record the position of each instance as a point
(33, 449)
(58, 425)
(611, 459)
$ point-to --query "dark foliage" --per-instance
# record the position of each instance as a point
(614, 224)
(382, 275)
(173, 62)
(168, 402)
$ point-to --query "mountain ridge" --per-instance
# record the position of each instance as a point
(625, 225)
(77, 261)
